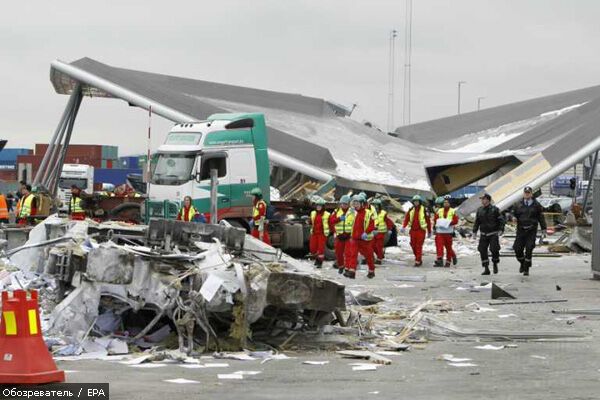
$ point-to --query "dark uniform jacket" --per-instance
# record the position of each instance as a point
(528, 217)
(488, 220)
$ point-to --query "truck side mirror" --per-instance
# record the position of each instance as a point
(197, 177)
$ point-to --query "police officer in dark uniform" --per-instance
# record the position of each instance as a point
(490, 222)
(528, 213)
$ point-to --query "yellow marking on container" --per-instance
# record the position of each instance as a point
(10, 322)
(33, 325)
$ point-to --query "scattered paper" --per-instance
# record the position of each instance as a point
(451, 358)
(462, 364)
(192, 366)
(230, 376)
(507, 315)
(403, 286)
(376, 392)
(137, 360)
(211, 286)
(489, 347)
(180, 380)
(277, 357)
(364, 367)
(216, 365)
(248, 372)
(148, 365)
(538, 357)
(316, 362)
(484, 309)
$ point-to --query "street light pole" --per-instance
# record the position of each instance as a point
(460, 83)
(479, 102)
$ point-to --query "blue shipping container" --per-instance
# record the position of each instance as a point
(114, 176)
(11, 154)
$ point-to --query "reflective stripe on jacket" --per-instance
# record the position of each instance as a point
(380, 223)
(344, 227)
(324, 218)
(422, 221)
(26, 203)
(75, 205)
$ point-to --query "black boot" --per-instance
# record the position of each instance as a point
(525, 271)
(341, 270)
(350, 274)
(438, 262)
(454, 260)
(495, 268)
(522, 268)
(486, 269)
(378, 262)
(371, 274)
(319, 262)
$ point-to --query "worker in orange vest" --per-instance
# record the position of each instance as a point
(3, 209)
(417, 219)
(259, 222)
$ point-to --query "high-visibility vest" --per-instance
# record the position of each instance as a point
(344, 227)
(3, 207)
(380, 222)
(367, 220)
(75, 205)
(325, 219)
(190, 214)
(18, 207)
(440, 215)
(422, 221)
(26, 203)
(256, 212)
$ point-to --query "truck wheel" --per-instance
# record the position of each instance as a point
(236, 223)
(127, 212)
(330, 249)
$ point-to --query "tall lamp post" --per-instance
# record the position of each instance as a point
(460, 83)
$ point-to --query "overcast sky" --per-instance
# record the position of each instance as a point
(338, 50)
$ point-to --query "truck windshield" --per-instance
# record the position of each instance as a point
(66, 183)
(173, 168)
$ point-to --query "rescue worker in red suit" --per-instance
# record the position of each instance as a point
(319, 231)
(76, 210)
(342, 220)
(361, 238)
(383, 230)
(259, 222)
(444, 221)
(417, 218)
(189, 213)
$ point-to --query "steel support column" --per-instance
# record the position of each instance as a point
(58, 132)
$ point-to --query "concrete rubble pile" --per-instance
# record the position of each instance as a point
(115, 288)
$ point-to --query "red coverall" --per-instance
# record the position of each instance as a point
(357, 245)
(341, 239)
(318, 239)
(445, 239)
(260, 211)
(379, 240)
(417, 234)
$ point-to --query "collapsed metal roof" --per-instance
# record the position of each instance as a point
(548, 135)
(306, 134)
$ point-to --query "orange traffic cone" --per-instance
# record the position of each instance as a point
(24, 358)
